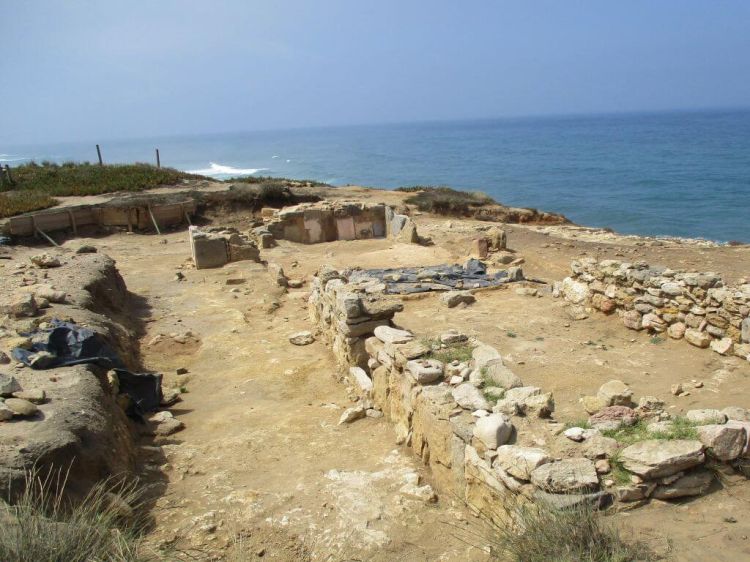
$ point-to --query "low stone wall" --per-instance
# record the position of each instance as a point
(485, 435)
(214, 247)
(698, 307)
(311, 223)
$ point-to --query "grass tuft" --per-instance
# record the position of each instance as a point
(522, 531)
(42, 526)
(681, 428)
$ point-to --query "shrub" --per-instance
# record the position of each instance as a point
(41, 526)
(445, 200)
(91, 179)
(285, 181)
(20, 202)
(523, 531)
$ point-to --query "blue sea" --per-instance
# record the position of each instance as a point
(675, 174)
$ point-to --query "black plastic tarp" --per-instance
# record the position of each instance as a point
(65, 344)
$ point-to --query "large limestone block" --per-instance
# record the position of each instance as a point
(470, 397)
(380, 390)
(363, 381)
(519, 461)
(566, 476)
(655, 458)
(723, 442)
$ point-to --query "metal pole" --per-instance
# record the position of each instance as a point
(158, 160)
(99, 154)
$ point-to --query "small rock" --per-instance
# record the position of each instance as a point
(615, 393)
(565, 476)
(4, 359)
(301, 338)
(520, 462)
(723, 346)
(676, 389)
(425, 371)
(86, 249)
(34, 396)
(352, 414)
(181, 371)
(470, 397)
(602, 466)
(613, 417)
(697, 338)
(45, 261)
(296, 283)
(575, 434)
(8, 385)
(723, 442)
(423, 493)
(454, 298)
(5, 412)
(170, 397)
(21, 407)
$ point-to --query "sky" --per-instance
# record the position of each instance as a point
(78, 70)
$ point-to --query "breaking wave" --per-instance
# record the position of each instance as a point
(215, 169)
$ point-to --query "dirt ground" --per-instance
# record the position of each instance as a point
(263, 470)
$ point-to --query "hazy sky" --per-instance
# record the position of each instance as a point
(90, 70)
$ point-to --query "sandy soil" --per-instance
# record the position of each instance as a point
(262, 466)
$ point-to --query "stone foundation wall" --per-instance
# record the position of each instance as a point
(311, 223)
(698, 307)
(216, 247)
(485, 435)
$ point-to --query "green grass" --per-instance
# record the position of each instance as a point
(20, 202)
(656, 340)
(618, 472)
(443, 200)
(681, 428)
(41, 526)
(91, 179)
(583, 424)
(460, 352)
(511, 334)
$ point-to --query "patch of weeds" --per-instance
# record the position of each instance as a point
(539, 338)
(183, 390)
(680, 428)
(511, 334)
(629, 434)
(521, 531)
(656, 340)
(618, 471)
(583, 424)
(461, 353)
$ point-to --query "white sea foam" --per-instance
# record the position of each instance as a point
(275, 156)
(4, 158)
(215, 169)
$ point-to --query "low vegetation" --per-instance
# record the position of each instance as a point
(678, 428)
(538, 532)
(271, 179)
(90, 179)
(20, 202)
(457, 352)
(445, 200)
(254, 196)
(41, 526)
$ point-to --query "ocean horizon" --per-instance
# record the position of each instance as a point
(676, 173)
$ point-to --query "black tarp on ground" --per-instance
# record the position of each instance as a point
(406, 280)
(65, 344)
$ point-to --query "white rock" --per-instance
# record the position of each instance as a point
(520, 461)
(470, 397)
(387, 334)
(352, 414)
(361, 378)
(301, 338)
(425, 371)
(493, 430)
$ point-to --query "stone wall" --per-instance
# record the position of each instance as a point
(698, 307)
(311, 223)
(485, 435)
(214, 247)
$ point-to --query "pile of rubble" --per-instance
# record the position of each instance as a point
(695, 306)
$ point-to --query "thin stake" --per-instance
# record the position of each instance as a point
(39, 230)
(7, 171)
(153, 219)
(99, 154)
(158, 160)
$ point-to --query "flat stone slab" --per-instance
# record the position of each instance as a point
(655, 458)
(566, 476)
(387, 334)
(425, 371)
(520, 461)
